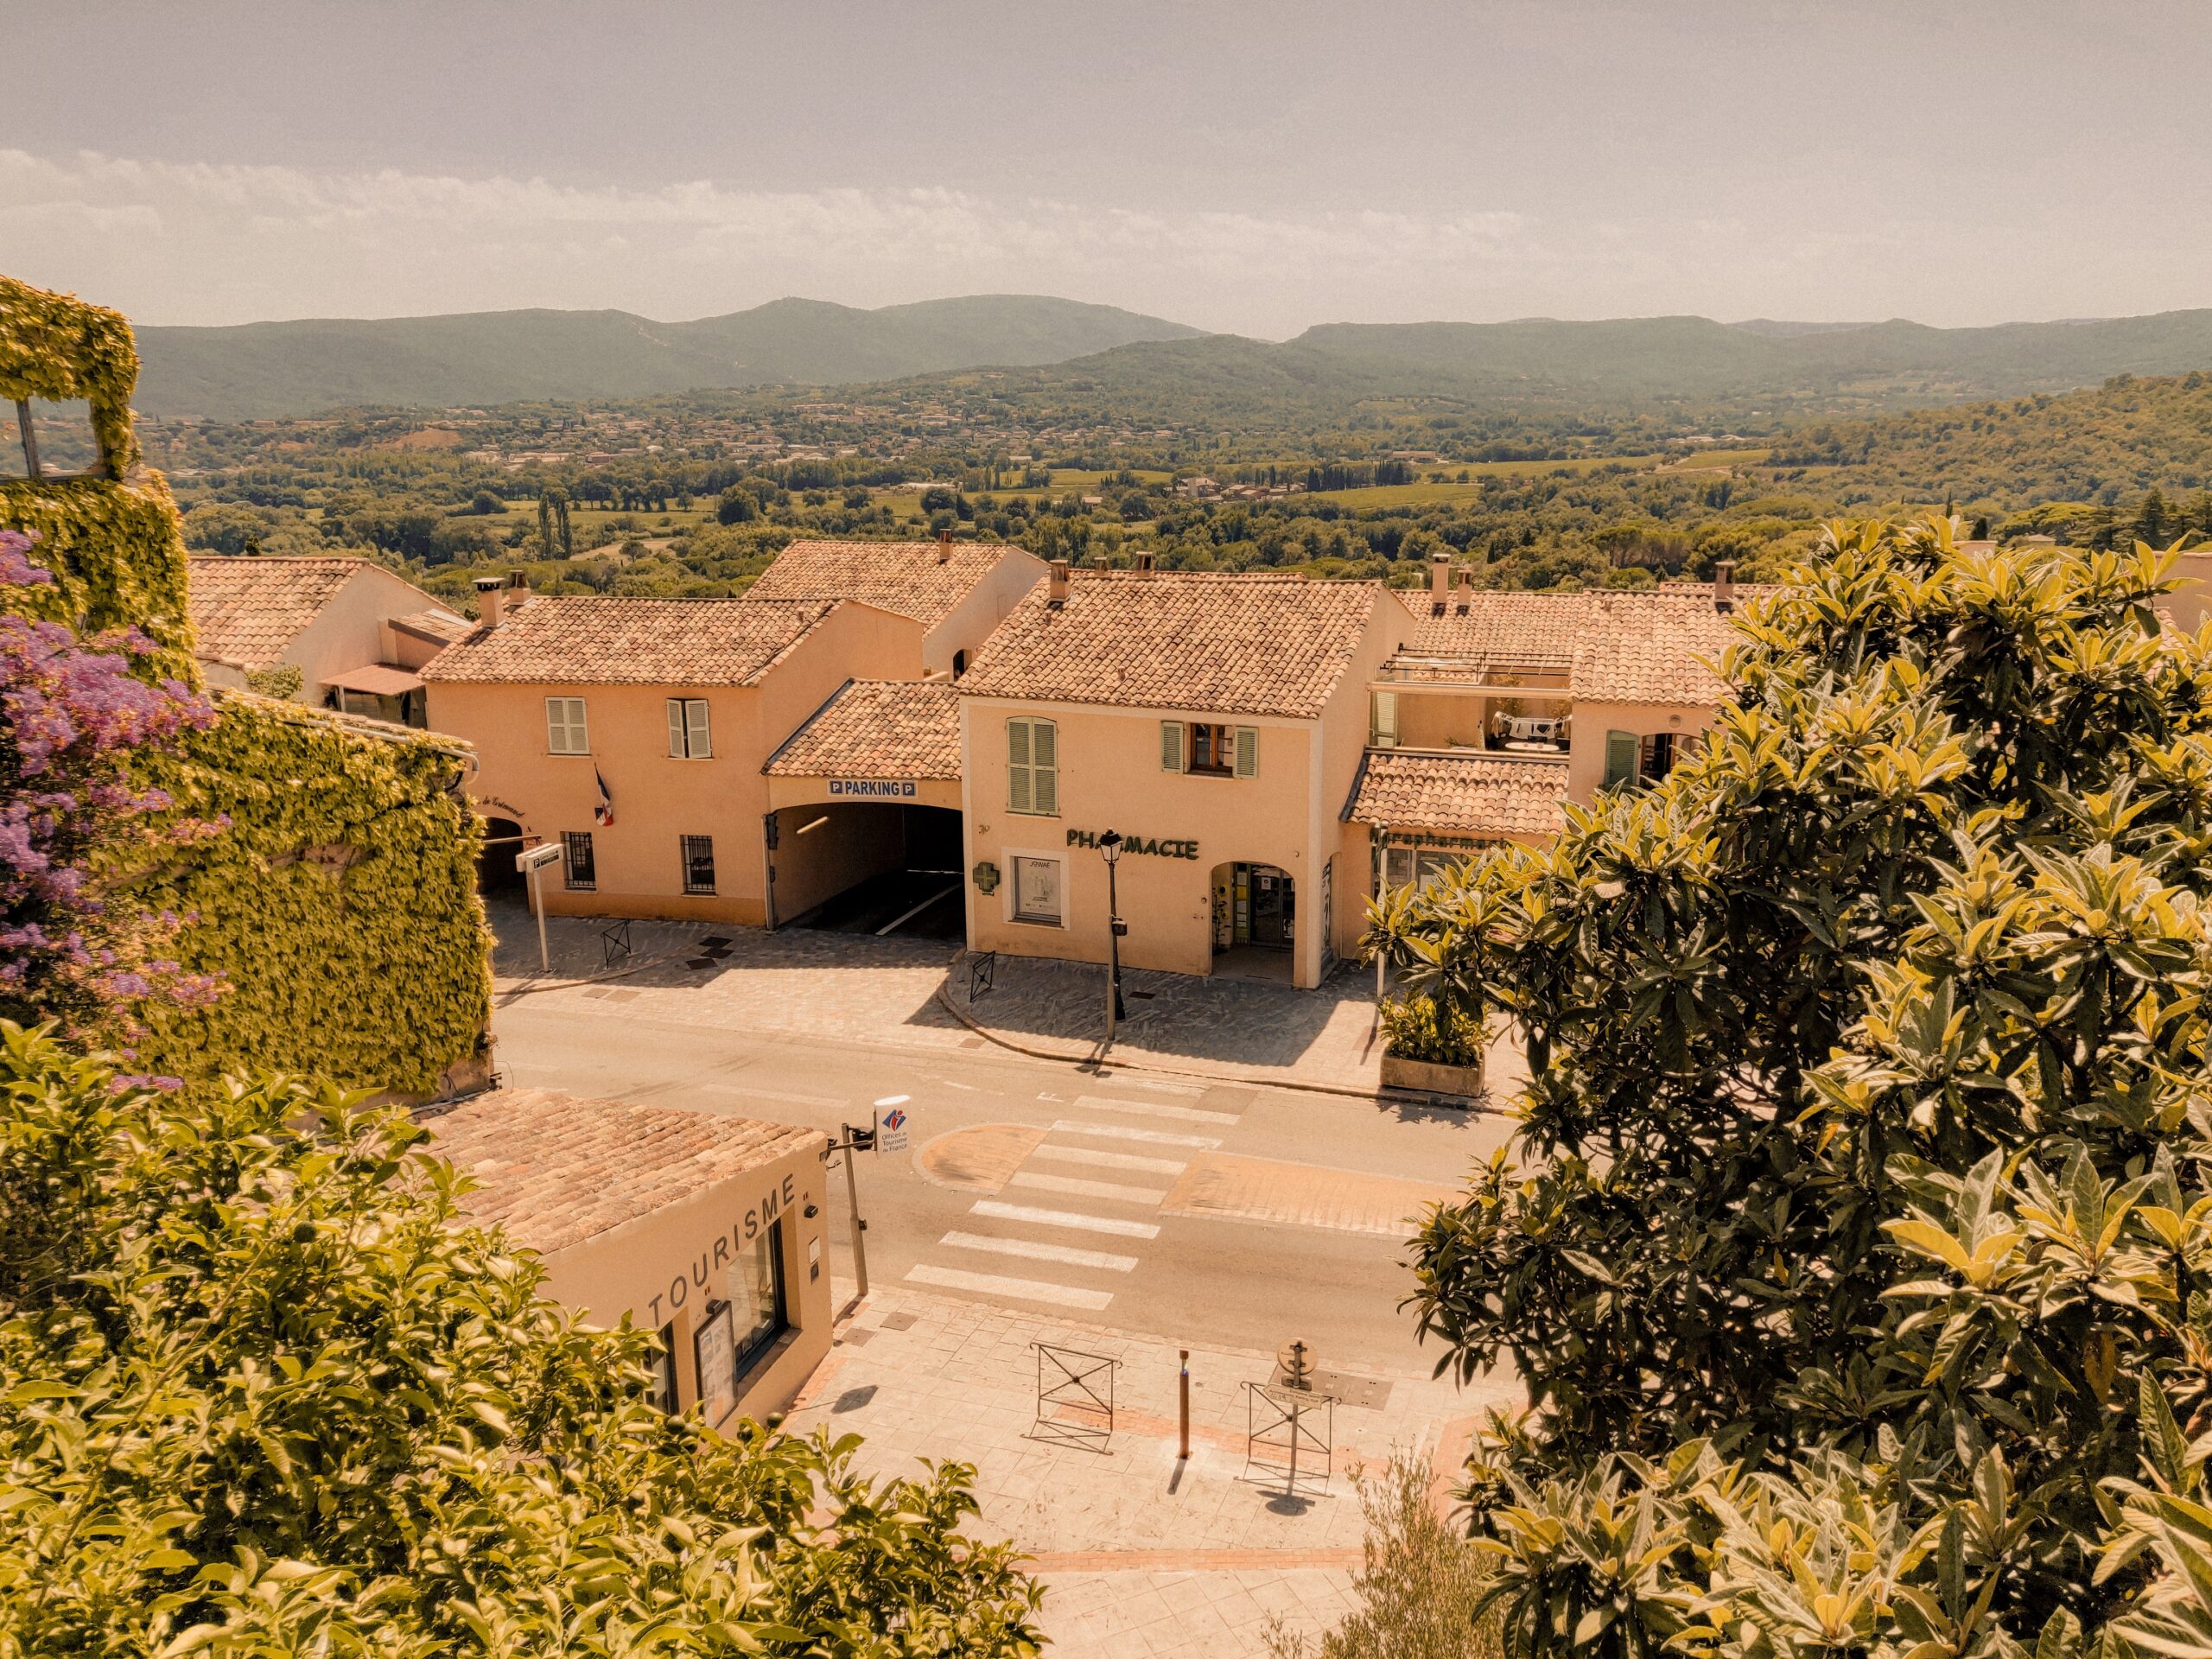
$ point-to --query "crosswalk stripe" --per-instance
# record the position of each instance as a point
(997, 1211)
(1103, 1260)
(1152, 1109)
(992, 1284)
(1116, 1132)
(1081, 1189)
(1110, 1160)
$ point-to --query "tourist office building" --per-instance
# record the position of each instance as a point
(896, 737)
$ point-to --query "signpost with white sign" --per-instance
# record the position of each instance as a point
(892, 1123)
(531, 860)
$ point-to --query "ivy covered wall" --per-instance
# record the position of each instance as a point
(335, 893)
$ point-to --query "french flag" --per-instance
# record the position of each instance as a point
(603, 814)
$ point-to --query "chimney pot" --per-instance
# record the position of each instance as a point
(490, 591)
(943, 545)
(1144, 564)
(1439, 581)
(1724, 585)
(1056, 584)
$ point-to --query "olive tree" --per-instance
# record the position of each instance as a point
(262, 1393)
(1856, 1237)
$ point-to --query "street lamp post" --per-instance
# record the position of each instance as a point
(1109, 849)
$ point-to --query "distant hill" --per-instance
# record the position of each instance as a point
(2116, 440)
(1766, 372)
(266, 370)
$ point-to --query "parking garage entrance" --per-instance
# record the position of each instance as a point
(889, 867)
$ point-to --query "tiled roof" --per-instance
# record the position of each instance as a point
(877, 728)
(555, 1171)
(1499, 624)
(603, 640)
(1480, 794)
(917, 579)
(247, 610)
(1644, 648)
(1242, 645)
(438, 625)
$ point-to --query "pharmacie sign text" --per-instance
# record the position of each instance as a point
(1152, 846)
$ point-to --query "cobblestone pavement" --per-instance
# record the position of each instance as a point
(1140, 1557)
(858, 987)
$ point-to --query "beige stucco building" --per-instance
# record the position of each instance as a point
(358, 634)
(958, 591)
(707, 1229)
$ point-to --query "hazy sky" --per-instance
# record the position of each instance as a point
(1256, 166)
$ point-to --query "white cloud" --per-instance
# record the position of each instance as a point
(174, 242)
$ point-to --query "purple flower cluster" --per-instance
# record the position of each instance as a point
(73, 717)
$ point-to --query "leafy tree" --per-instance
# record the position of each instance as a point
(736, 505)
(261, 1393)
(1854, 1239)
(483, 504)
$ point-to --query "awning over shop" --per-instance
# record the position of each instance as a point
(377, 680)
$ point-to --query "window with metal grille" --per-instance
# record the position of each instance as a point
(687, 729)
(576, 863)
(698, 864)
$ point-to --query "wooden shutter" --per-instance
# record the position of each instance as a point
(1248, 751)
(695, 736)
(1171, 752)
(1382, 720)
(676, 727)
(1020, 781)
(1622, 752)
(1043, 748)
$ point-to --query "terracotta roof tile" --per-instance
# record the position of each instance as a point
(909, 578)
(594, 640)
(1500, 624)
(1241, 645)
(555, 1171)
(438, 625)
(1481, 794)
(1645, 647)
(247, 610)
(877, 728)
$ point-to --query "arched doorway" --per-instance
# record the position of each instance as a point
(496, 875)
(1254, 921)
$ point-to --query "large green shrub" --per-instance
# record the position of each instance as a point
(1855, 1240)
(260, 1394)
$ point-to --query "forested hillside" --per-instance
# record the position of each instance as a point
(264, 370)
(2119, 439)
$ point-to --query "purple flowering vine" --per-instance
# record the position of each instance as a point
(73, 718)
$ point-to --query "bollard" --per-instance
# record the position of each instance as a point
(1184, 1455)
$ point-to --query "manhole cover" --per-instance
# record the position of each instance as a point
(855, 1338)
(1142, 996)
(700, 962)
(714, 939)
(898, 1321)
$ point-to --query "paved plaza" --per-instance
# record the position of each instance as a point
(1142, 1555)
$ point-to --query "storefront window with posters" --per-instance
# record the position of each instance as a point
(684, 1220)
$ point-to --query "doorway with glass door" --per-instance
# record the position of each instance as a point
(1261, 939)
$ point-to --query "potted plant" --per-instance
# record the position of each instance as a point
(1431, 939)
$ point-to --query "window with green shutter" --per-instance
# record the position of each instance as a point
(1033, 767)
(1382, 720)
(1622, 752)
(1172, 754)
(1248, 751)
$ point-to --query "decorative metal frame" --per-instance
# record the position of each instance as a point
(1069, 1379)
(982, 973)
(1275, 1421)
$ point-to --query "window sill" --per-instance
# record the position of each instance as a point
(1038, 921)
(1016, 812)
(1210, 771)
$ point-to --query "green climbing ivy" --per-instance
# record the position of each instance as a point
(336, 894)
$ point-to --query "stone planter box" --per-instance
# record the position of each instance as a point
(1465, 1081)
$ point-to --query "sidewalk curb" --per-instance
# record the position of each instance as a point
(1254, 1080)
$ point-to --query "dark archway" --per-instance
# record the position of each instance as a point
(868, 867)
(495, 866)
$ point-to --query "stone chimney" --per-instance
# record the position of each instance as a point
(518, 588)
(1439, 583)
(490, 591)
(1144, 564)
(1056, 585)
(1723, 586)
(943, 546)
(1466, 602)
